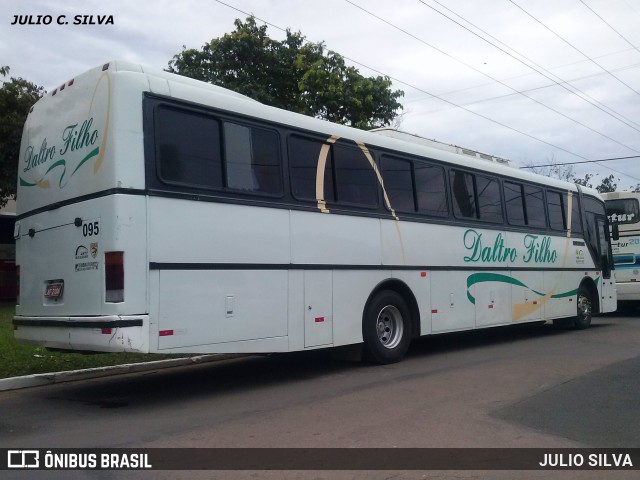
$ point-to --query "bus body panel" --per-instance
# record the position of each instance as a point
(206, 307)
(216, 233)
(61, 252)
(344, 240)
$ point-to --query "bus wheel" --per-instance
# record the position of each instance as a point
(387, 328)
(585, 309)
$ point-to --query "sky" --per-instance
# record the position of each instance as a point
(537, 82)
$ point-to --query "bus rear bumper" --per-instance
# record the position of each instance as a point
(113, 333)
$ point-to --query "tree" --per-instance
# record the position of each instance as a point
(16, 98)
(292, 74)
(565, 172)
(607, 185)
(554, 170)
(584, 181)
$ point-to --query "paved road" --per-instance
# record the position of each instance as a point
(530, 386)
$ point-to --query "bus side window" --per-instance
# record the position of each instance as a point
(576, 222)
(398, 183)
(304, 154)
(534, 203)
(252, 159)
(431, 189)
(464, 202)
(489, 200)
(355, 177)
(514, 201)
(188, 148)
(556, 210)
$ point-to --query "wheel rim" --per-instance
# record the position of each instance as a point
(584, 307)
(389, 327)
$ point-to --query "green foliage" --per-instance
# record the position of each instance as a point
(584, 181)
(16, 98)
(291, 74)
(607, 185)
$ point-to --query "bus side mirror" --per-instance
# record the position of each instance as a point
(615, 232)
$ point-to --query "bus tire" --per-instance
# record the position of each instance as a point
(584, 309)
(386, 328)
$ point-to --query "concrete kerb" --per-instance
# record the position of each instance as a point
(40, 379)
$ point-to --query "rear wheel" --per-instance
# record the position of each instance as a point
(387, 328)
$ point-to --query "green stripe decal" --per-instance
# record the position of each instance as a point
(497, 277)
(493, 277)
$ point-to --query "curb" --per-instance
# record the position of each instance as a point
(41, 379)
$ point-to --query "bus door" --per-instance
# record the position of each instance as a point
(604, 248)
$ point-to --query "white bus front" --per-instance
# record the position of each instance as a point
(623, 211)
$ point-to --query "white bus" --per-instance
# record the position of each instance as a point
(161, 214)
(623, 211)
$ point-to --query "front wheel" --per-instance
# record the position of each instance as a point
(386, 328)
(585, 309)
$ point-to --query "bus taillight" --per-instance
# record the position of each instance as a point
(114, 276)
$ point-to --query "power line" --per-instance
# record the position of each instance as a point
(585, 161)
(487, 75)
(609, 25)
(591, 161)
(402, 82)
(498, 97)
(540, 69)
(548, 85)
(493, 78)
(576, 48)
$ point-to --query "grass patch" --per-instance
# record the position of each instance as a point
(23, 359)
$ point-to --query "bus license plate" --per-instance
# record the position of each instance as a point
(53, 290)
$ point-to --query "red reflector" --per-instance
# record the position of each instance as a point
(165, 333)
(435, 310)
(490, 306)
(319, 319)
(535, 302)
(423, 274)
(106, 331)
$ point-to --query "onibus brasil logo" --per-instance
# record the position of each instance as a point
(76, 139)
